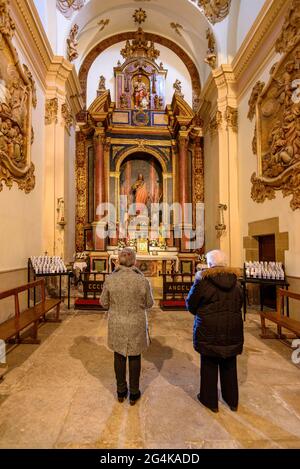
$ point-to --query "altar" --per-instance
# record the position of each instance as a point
(140, 169)
(151, 265)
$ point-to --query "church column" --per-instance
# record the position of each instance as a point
(226, 127)
(100, 189)
(183, 183)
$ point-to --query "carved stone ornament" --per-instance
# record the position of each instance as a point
(177, 28)
(67, 116)
(72, 43)
(51, 109)
(290, 34)
(214, 10)
(15, 111)
(139, 46)
(33, 87)
(278, 131)
(140, 16)
(68, 7)
(258, 87)
(211, 57)
(215, 122)
(231, 117)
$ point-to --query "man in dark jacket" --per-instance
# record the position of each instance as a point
(216, 300)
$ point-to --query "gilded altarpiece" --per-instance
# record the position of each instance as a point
(136, 152)
(277, 141)
(17, 95)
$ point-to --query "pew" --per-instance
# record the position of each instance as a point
(278, 317)
(11, 329)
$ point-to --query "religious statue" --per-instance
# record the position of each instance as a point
(101, 86)
(178, 88)
(72, 43)
(124, 101)
(141, 94)
(158, 102)
(139, 192)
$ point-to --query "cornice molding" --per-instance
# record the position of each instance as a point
(55, 73)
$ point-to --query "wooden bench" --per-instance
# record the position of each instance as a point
(10, 330)
(278, 317)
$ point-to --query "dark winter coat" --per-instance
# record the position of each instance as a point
(216, 300)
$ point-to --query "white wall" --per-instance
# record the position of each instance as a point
(249, 9)
(105, 63)
(20, 213)
(289, 221)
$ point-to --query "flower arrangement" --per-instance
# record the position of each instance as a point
(202, 259)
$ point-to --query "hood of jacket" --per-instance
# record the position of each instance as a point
(224, 278)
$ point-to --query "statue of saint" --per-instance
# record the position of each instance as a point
(141, 95)
(139, 192)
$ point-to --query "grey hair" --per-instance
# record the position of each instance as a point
(127, 257)
(216, 258)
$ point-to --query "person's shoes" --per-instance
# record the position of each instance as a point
(133, 398)
(213, 409)
(122, 396)
(233, 408)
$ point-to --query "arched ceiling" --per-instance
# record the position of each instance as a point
(160, 14)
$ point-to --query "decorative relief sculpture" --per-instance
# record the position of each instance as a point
(214, 10)
(51, 109)
(258, 87)
(103, 23)
(16, 96)
(67, 116)
(278, 124)
(72, 43)
(215, 122)
(231, 117)
(33, 87)
(211, 57)
(140, 16)
(290, 34)
(177, 28)
(68, 7)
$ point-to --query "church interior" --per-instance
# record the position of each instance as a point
(171, 127)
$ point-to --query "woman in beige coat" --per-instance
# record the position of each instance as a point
(127, 295)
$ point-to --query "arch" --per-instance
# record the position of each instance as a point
(110, 41)
(141, 149)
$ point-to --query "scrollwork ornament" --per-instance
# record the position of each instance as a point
(16, 97)
(68, 7)
(261, 191)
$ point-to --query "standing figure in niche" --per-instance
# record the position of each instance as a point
(140, 193)
(141, 95)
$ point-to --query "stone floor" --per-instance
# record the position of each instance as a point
(61, 394)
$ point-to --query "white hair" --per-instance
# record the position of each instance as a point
(216, 258)
(127, 257)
